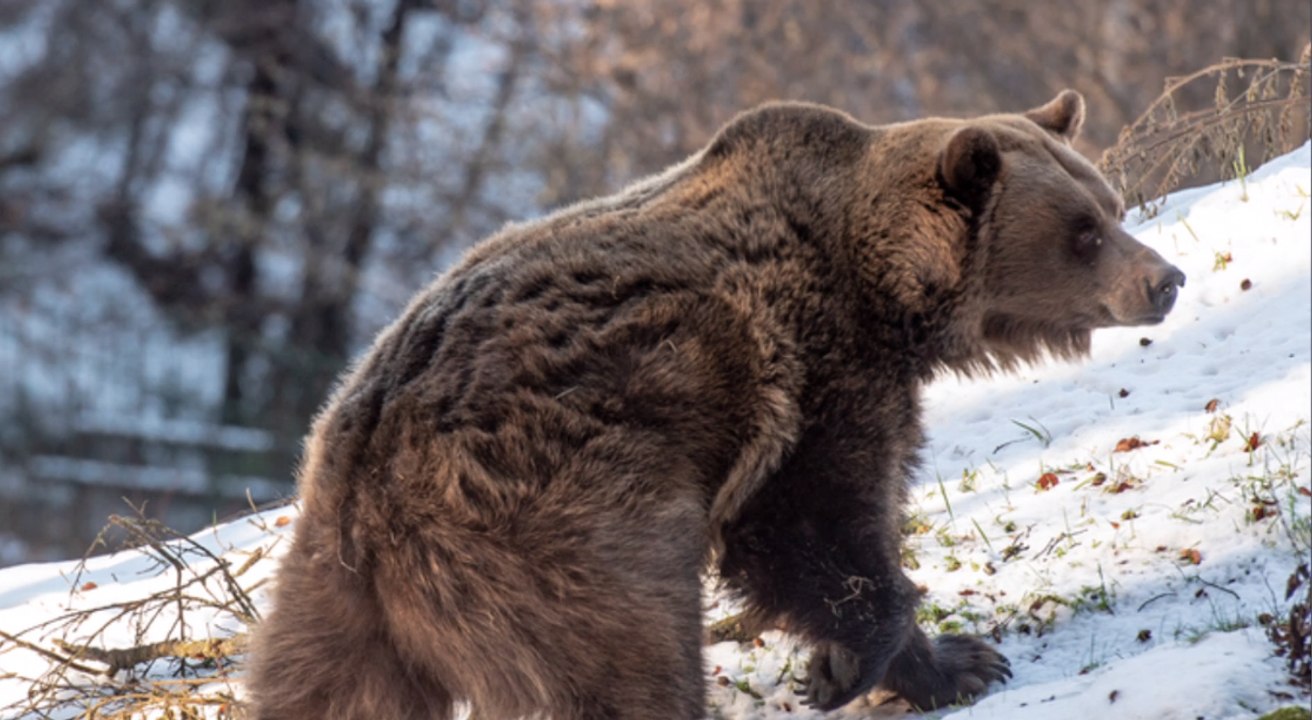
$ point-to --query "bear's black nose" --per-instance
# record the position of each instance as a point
(1161, 290)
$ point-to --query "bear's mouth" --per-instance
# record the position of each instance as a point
(1147, 320)
(1113, 319)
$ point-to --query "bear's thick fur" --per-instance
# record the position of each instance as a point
(509, 500)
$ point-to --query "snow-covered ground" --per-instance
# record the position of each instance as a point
(1122, 582)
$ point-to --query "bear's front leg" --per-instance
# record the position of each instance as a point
(951, 669)
(826, 569)
(856, 646)
(890, 651)
(818, 550)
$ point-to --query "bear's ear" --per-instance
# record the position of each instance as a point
(970, 164)
(1063, 115)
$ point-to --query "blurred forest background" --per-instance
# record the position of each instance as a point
(207, 207)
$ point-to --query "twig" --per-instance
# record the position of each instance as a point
(1154, 599)
(1209, 583)
(47, 654)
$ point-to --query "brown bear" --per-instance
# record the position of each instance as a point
(509, 500)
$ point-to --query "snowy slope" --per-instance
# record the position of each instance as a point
(1131, 587)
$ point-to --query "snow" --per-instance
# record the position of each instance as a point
(1132, 588)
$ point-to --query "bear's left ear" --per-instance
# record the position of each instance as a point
(1063, 115)
(970, 164)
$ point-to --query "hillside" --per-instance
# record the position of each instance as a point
(1124, 526)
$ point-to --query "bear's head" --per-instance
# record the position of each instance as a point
(1051, 262)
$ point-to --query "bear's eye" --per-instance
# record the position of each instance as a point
(1087, 244)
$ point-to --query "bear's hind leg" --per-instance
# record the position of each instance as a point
(323, 653)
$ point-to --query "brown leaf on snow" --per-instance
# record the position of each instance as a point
(1305, 492)
(1253, 442)
(1191, 556)
(282, 521)
(1212, 405)
(1246, 284)
(1263, 511)
(1132, 443)
(88, 585)
(1047, 481)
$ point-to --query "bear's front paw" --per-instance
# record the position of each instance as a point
(966, 666)
(834, 677)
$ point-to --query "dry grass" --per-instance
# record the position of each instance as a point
(1255, 109)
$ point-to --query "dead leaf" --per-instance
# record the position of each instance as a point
(88, 585)
(1212, 405)
(1253, 442)
(1047, 481)
(282, 521)
(1132, 443)
(1246, 284)
(1191, 556)
(1263, 511)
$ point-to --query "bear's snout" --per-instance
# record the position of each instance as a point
(1146, 285)
(1162, 288)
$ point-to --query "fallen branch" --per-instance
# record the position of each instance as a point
(125, 658)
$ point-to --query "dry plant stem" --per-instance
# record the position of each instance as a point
(125, 658)
(1167, 145)
(733, 628)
